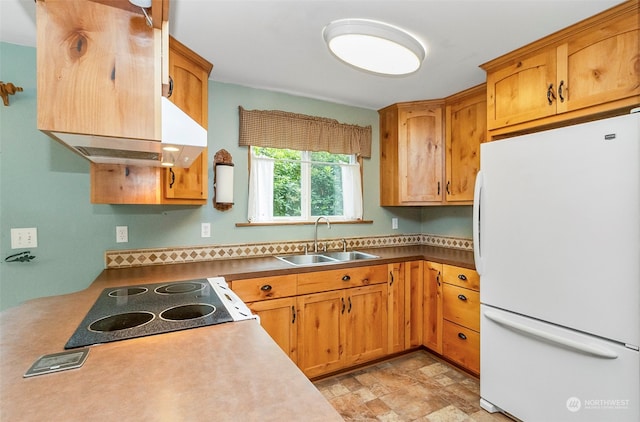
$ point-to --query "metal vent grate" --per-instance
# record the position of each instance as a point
(118, 153)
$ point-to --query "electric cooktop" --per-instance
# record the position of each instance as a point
(127, 312)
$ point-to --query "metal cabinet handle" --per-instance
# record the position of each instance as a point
(346, 278)
(448, 187)
(560, 91)
(438, 278)
(550, 94)
(170, 87)
(266, 288)
(173, 178)
(293, 312)
(462, 277)
(391, 274)
(343, 305)
(462, 297)
(438, 188)
(462, 336)
(349, 311)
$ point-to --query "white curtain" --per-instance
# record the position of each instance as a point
(351, 191)
(260, 189)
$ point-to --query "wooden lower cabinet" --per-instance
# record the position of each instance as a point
(341, 328)
(432, 302)
(462, 345)
(330, 320)
(396, 308)
(413, 304)
(461, 316)
(278, 318)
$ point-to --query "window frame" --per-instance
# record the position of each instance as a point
(305, 193)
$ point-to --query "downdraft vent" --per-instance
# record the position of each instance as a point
(118, 153)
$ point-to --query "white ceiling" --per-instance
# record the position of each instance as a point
(278, 45)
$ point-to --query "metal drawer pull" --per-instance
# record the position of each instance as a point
(462, 277)
(266, 288)
(346, 278)
(462, 297)
(462, 336)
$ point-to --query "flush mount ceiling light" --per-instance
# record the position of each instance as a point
(374, 46)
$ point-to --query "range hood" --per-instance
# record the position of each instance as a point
(182, 141)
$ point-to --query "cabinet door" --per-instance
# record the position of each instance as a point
(461, 306)
(321, 332)
(395, 307)
(420, 153)
(413, 304)
(190, 93)
(366, 327)
(600, 66)
(462, 345)
(518, 93)
(389, 177)
(432, 328)
(278, 318)
(466, 129)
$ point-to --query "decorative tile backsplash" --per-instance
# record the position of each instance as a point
(158, 256)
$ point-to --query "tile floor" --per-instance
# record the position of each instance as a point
(417, 386)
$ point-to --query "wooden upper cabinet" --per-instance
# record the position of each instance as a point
(602, 65)
(189, 74)
(411, 153)
(518, 92)
(465, 130)
(93, 76)
(588, 70)
(122, 184)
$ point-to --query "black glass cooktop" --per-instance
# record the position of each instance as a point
(127, 312)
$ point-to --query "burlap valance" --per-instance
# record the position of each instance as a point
(281, 129)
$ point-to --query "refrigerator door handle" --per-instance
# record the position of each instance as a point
(477, 195)
(598, 351)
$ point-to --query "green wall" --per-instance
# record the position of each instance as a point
(44, 185)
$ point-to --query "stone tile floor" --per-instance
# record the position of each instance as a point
(417, 386)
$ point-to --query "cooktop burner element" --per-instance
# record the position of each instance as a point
(121, 313)
(121, 321)
(179, 288)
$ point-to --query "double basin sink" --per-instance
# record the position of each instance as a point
(325, 258)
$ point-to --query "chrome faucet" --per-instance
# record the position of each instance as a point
(315, 236)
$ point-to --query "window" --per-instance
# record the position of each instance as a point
(290, 185)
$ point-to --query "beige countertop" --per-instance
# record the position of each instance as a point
(231, 371)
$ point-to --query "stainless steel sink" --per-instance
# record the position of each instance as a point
(306, 259)
(349, 256)
(325, 258)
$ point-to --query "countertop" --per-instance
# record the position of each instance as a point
(230, 371)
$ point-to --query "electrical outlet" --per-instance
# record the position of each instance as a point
(24, 238)
(122, 234)
(205, 230)
(394, 223)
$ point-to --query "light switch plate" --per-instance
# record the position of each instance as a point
(394, 223)
(24, 238)
(122, 234)
(205, 230)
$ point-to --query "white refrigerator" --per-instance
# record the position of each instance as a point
(556, 223)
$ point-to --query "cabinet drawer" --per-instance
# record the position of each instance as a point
(462, 277)
(461, 345)
(462, 306)
(253, 289)
(322, 281)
